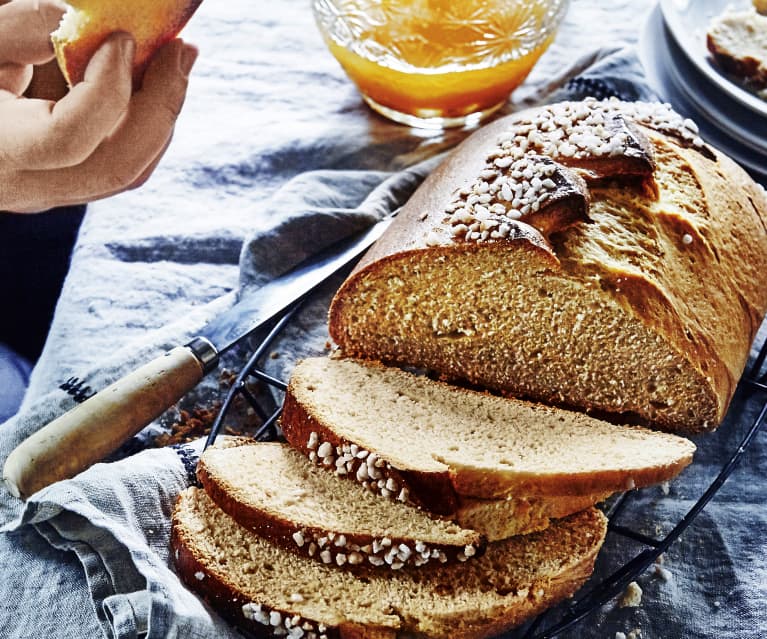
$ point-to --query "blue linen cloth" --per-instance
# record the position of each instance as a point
(275, 157)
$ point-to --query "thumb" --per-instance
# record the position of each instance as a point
(25, 30)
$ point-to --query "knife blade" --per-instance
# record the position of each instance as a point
(97, 427)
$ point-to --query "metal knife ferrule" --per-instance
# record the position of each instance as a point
(204, 351)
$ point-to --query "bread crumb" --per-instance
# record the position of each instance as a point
(274, 355)
(620, 635)
(662, 572)
(190, 425)
(665, 487)
(632, 597)
(636, 633)
(717, 604)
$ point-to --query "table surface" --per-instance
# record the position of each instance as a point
(266, 103)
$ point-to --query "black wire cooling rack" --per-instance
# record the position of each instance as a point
(594, 595)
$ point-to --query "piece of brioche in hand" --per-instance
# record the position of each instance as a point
(270, 592)
(87, 23)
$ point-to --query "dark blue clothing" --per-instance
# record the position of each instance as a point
(35, 251)
(14, 377)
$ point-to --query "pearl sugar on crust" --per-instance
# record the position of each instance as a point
(535, 162)
(285, 625)
(375, 474)
(509, 190)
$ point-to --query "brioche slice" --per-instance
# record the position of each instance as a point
(260, 587)
(275, 492)
(738, 42)
(428, 442)
(87, 23)
(646, 310)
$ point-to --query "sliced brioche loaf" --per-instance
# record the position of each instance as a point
(408, 437)
(274, 491)
(646, 310)
(260, 587)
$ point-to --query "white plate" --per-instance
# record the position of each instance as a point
(688, 22)
(654, 53)
(719, 109)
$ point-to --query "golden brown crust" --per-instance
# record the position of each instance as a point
(220, 593)
(430, 490)
(503, 518)
(479, 483)
(709, 304)
(217, 592)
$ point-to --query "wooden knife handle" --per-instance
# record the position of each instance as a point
(97, 427)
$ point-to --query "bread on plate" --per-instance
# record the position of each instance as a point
(738, 42)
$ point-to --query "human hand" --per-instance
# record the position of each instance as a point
(96, 141)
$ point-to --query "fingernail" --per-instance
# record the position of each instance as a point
(188, 56)
(127, 48)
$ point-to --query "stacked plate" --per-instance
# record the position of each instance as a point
(672, 48)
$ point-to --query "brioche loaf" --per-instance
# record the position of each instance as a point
(738, 42)
(264, 589)
(430, 443)
(645, 310)
(87, 23)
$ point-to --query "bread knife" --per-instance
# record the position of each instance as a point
(97, 427)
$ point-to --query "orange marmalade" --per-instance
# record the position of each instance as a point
(437, 60)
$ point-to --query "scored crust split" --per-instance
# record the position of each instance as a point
(645, 310)
(87, 23)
